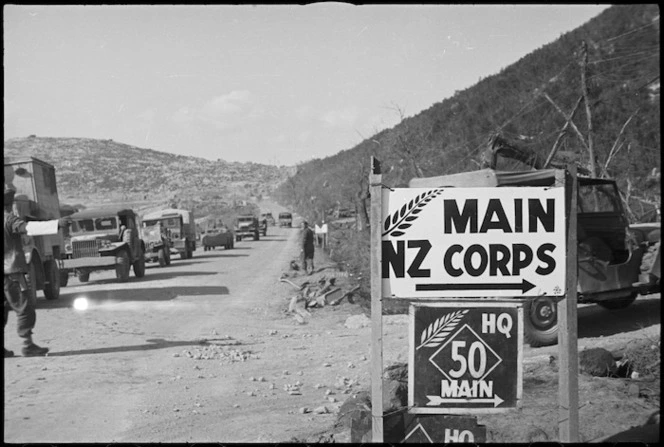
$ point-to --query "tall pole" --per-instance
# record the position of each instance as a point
(584, 89)
(568, 371)
(375, 182)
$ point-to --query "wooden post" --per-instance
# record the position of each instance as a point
(568, 371)
(375, 182)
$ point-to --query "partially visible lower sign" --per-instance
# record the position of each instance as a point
(465, 357)
(438, 429)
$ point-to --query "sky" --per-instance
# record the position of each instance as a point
(271, 84)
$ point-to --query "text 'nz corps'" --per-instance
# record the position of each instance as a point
(529, 216)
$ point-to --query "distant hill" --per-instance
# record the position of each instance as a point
(90, 172)
(528, 102)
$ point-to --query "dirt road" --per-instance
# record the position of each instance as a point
(202, 351)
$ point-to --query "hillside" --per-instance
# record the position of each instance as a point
(90, 172)
(528, 102)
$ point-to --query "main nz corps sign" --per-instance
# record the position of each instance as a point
(465, 357)
(473, 242)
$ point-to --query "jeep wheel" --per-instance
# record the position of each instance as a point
(161, 256)
(139, 265)
(52, 280)
(83, 276)
(122, 266)
(540, 321)
(618, 303)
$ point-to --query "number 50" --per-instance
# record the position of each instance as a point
(469, 361)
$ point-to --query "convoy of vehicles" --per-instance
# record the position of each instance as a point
(218, 237)
(247, 226)
(181, 229)
(36, 198)
(103, 239)
(285, 219)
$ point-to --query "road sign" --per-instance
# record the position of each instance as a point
(473, 242)
(465, 357)
(438, 429)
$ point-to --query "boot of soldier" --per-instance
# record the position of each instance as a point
(30, 349)
(8, 353)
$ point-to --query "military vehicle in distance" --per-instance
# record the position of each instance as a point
(36, 198)
(247, 226)
(181, 227)
(157, 242)
(285, 219)
(102, 239)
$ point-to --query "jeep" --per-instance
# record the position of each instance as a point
(610, 251)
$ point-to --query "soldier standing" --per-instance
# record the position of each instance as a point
(17, 296)
(307, 247)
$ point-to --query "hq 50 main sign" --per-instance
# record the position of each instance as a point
(473, 242)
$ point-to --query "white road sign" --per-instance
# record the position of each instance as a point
(473, 242)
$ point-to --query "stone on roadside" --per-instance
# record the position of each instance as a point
(304, 410)
(321, 410)
(597, 362)
(357, 321)
(633, 390)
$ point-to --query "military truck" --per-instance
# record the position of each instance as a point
(157, 242)
(37, 199)
(285, 219)
(102, 239)
(247, 226)
(181, 227)
(612, 268)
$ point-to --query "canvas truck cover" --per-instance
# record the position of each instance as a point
(490, 178)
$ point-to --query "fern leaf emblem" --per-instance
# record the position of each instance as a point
(434, 335)
(402, 219)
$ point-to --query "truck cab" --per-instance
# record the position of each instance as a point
(102, 239)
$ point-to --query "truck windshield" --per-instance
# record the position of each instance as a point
(98, 224)
(246, 219)
(603, 198)
(285, 216)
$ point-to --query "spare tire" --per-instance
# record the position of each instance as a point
(540, 318)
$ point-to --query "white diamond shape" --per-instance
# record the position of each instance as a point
(449, 340)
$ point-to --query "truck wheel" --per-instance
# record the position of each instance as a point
(161, 256)
(122, 266)
(256, 236)
(618, 303)
(183, 254)
(540, 321)
(64, 277)
(84, 276)
(139, 265)
(31, 279)
(190, 253)
(52, 283)
(167, 255)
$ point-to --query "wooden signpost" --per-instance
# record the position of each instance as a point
(467, 258)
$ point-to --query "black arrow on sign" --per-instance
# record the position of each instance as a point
(524, 286)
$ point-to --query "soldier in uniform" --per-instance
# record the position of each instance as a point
(17, 296)
(307, 247)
